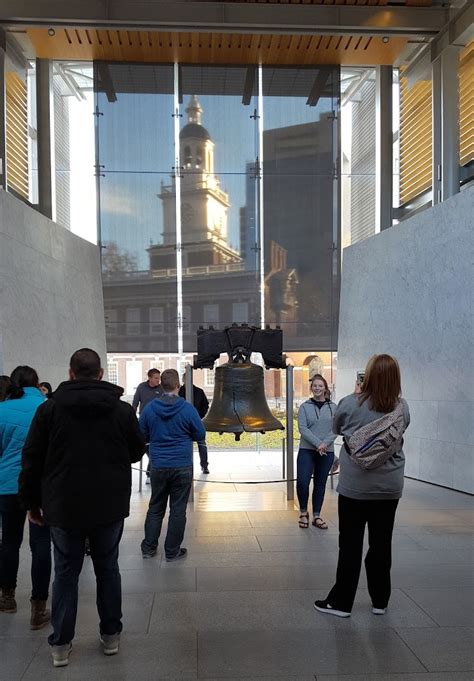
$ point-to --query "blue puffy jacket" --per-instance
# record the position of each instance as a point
(170, 425)
(15, 420)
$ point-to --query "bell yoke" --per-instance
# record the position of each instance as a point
(239, 404)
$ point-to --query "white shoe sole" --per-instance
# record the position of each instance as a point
(63, 662)
(331, 611)
(110, 651)
(379, 611)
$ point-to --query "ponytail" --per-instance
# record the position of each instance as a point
(14, 391)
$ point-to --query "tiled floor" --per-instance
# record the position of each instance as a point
(240, 606)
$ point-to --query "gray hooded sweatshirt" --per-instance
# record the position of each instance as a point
(315, 425)
(384, 482)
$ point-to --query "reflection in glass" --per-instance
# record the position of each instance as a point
(134, 124)
(209, 166)
(218, 149)
(300, 190)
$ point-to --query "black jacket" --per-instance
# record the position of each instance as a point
(200, 400)
(77, 456)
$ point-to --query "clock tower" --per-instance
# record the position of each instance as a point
(204, 205)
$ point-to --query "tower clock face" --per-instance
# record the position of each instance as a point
(187, 214)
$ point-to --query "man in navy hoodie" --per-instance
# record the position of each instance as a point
(170, 425)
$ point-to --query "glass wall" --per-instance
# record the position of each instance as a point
(136, 178)
(358, 145)
(218, 190)
(219, 145)
(301, 203)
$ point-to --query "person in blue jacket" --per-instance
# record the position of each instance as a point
(170, 425)
(16, 415)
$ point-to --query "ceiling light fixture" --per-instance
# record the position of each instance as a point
(51, 32)
(385, 39)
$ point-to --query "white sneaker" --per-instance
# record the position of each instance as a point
(61, 655)
(110, 643)
(379, 611)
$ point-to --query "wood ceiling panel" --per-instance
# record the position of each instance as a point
(219, 48)
(408, 3)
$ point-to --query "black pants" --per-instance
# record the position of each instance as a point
(68, 559)
(13, 522)
(354, 515)
(202, 448)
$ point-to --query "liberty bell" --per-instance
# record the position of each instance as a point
(239, 404)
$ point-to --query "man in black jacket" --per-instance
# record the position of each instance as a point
(76, 477)
(201, 403)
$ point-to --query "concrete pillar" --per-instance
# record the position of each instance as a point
(445, 116)
(383, 149)
(3, 111)
(45, 119)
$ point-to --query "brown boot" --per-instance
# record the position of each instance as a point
(7, 601)
(40, 616)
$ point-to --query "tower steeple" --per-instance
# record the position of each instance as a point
(194, 110)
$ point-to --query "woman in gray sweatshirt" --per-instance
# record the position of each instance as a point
(316, 452)
(367, 497)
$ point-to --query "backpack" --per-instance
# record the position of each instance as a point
(373, 444)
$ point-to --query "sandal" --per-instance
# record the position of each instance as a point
(319, 523)
(303, 521)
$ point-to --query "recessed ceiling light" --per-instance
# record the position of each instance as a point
(385, 39)
(51, 32)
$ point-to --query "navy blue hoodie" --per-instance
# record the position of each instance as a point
(171, 425)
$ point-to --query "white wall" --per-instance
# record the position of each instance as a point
(50, 293)
(409, 292)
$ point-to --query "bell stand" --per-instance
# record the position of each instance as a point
(188, 383)
(288, 442)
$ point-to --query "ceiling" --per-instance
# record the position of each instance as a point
(217, 48)
(280, 32)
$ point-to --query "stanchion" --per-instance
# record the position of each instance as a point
(188, 382)
(140, 474)
(283, 460)
(290, 488)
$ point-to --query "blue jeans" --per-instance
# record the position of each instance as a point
(311, 463)
(69, 545)
(13, 522)
(173, 484)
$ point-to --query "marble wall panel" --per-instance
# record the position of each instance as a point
(408, 291)
(50, 292)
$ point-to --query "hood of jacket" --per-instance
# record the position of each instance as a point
(87, 397)
(167, 406)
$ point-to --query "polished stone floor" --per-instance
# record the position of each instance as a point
(240, 605)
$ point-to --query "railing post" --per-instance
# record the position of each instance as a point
(188, 382)
(140, 474)
(283, 460)
(290, 488)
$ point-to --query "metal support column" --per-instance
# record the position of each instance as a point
(3, 113)
(188, 382)
(290, 464)
(45, 119)
(445, 116)
(383, 148)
